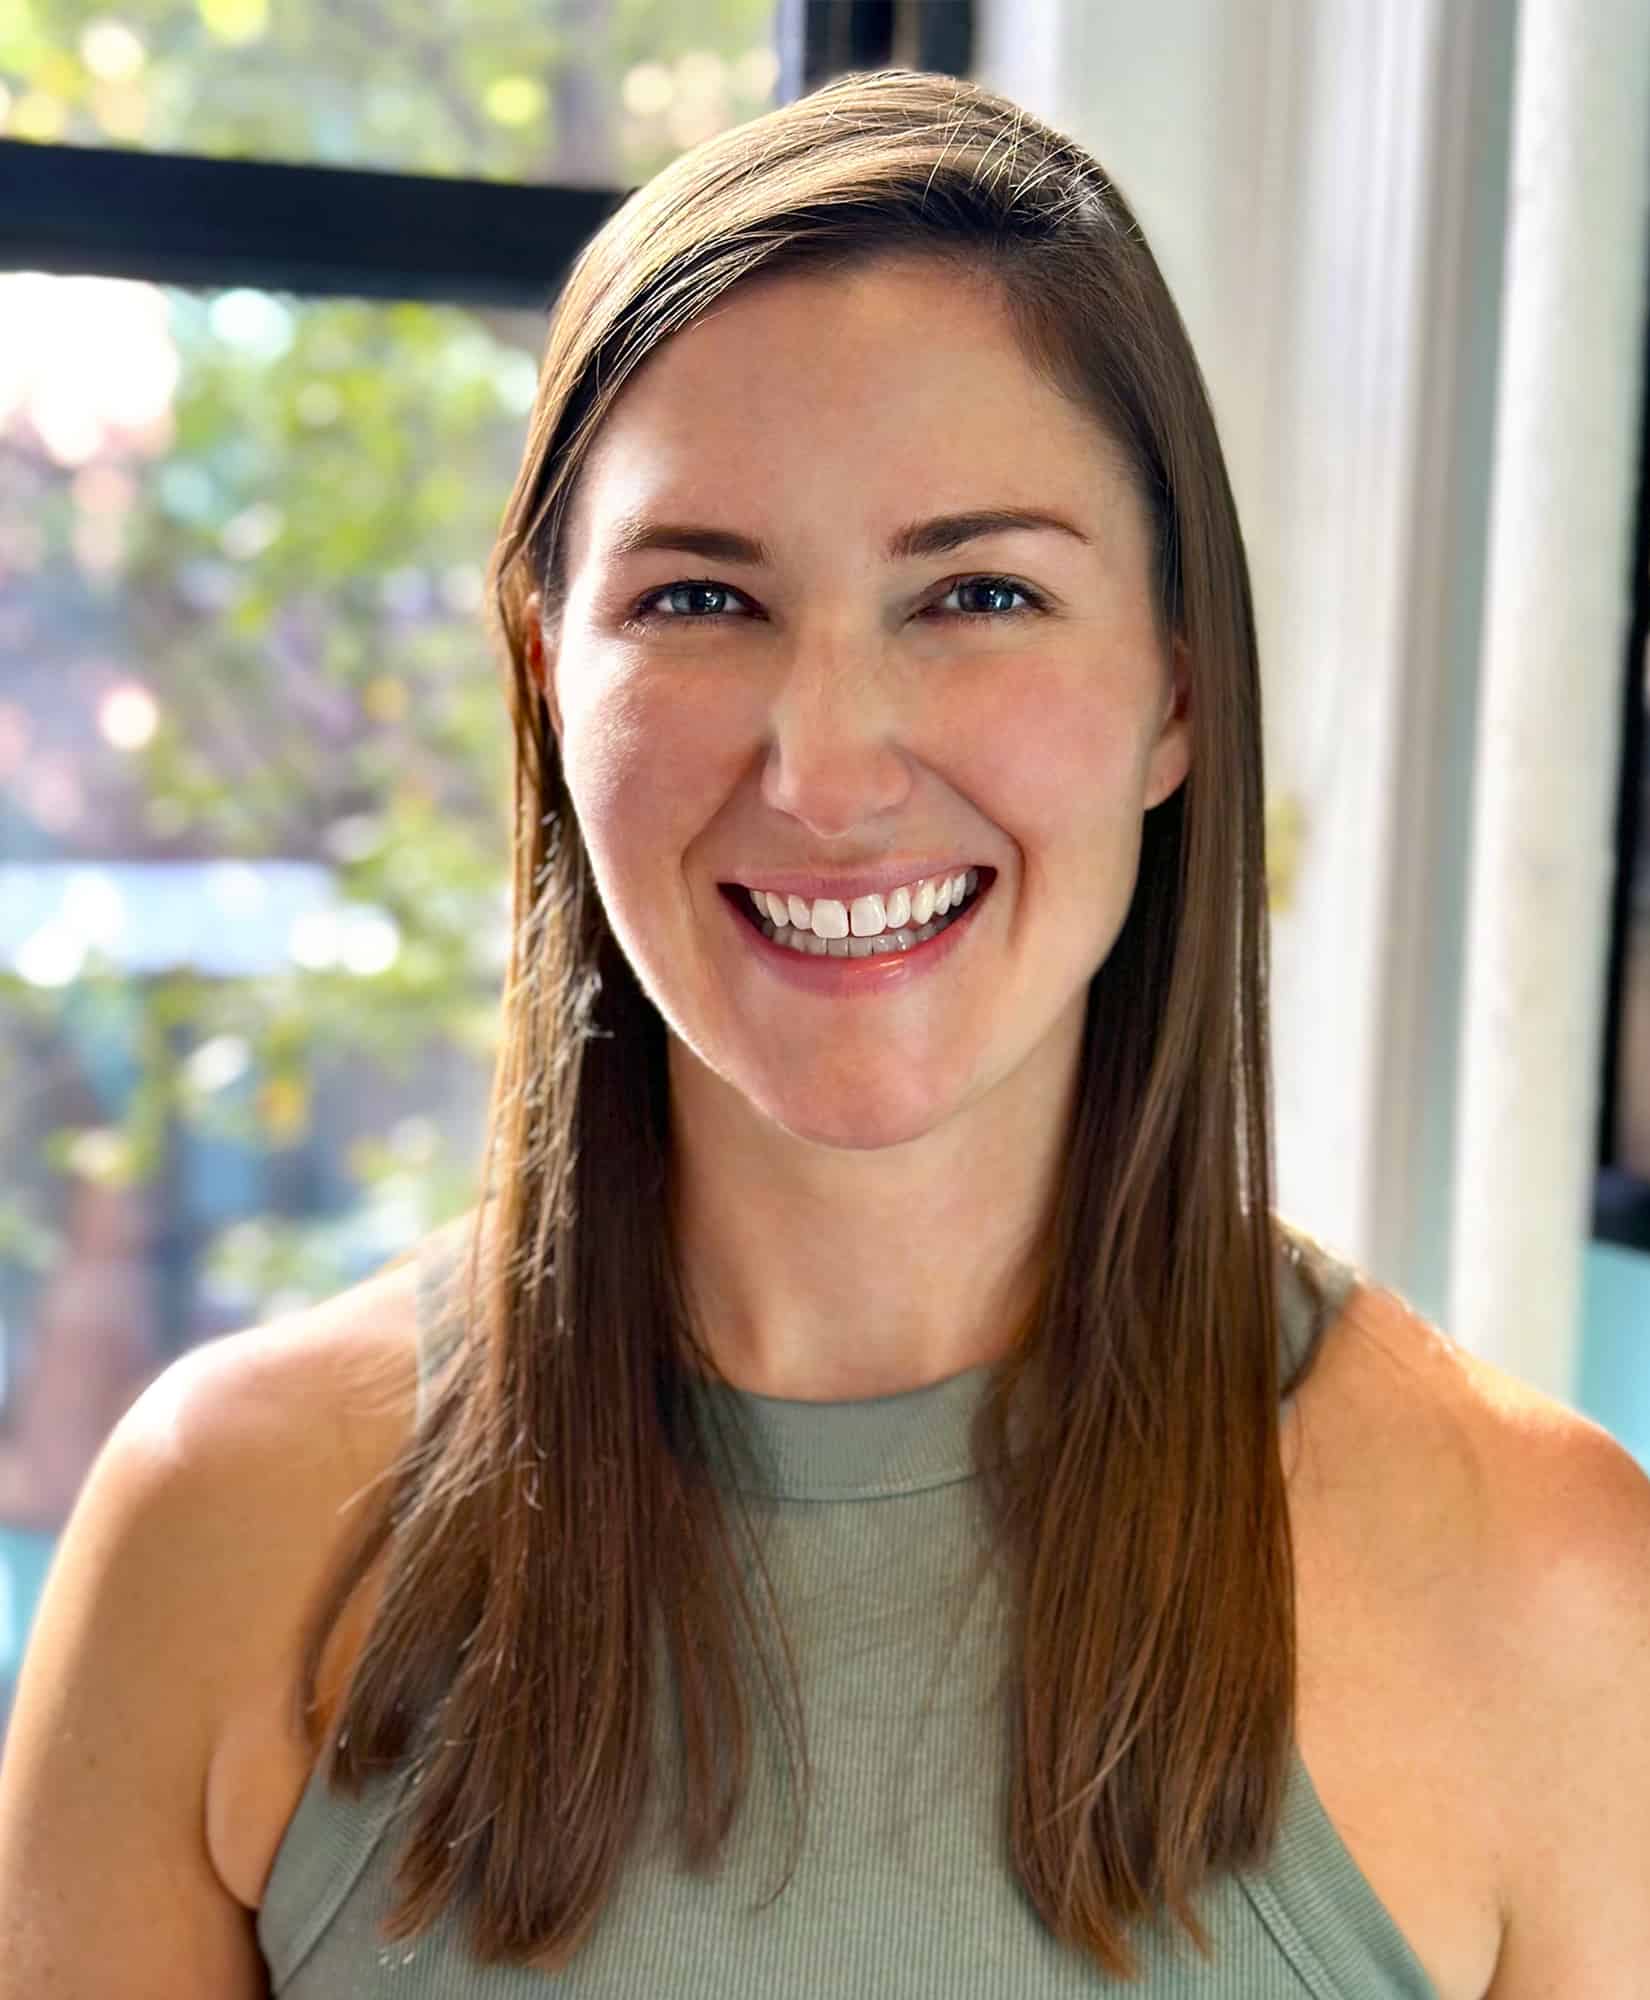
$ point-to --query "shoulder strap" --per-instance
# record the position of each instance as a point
(1314, 1283)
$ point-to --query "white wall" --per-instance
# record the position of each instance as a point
(1326, 186)
(1549, 735)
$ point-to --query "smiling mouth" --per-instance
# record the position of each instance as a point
(905, 938)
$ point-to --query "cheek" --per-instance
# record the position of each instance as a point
(1058, 763)
(644, 765)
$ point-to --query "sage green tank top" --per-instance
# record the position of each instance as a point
(870, 1519)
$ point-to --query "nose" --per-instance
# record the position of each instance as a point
(834, 762)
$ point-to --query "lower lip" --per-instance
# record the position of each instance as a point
(881, 972)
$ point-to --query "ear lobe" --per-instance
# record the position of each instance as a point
(1181, 701)
(1172, 753)
(539, 663)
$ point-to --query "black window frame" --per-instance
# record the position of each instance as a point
(185, 219)
(1621, 1200)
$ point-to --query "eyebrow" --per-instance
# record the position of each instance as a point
(634, 533)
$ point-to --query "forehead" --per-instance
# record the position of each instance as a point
(887, 392)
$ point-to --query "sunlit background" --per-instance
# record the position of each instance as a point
(254, 776)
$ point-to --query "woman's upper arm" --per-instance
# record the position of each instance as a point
(106, 1884)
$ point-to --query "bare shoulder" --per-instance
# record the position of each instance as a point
(311, 1411)
(248, 1433)
(1546, 1490)
(1482, 1472)
(326, 1393)
(264, 1430)
(312, 1388)
(1568, 1688)
(1387, 1448)
(153, 1752)
(278, 1436)
(1519, 1531)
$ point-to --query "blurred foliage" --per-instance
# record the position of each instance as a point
(593, 92)
(264, 521)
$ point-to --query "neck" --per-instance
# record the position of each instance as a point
(823, 1274)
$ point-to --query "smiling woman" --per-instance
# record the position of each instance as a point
(890, 345)
(1031, 1161)
(1113, 1533)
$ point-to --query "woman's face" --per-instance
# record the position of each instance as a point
(829, 703)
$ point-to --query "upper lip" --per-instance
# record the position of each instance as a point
(793, 882)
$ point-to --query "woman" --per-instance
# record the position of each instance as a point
(882, 1386)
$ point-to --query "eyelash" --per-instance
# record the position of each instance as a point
(641, 615)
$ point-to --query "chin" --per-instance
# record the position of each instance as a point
(855, 1128)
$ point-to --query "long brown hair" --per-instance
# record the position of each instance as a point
(551, 1517)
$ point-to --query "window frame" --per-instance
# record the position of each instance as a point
(1621, 1200)
(210, 223)
(186, 219)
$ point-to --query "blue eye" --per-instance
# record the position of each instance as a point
(644, 613)
(998, 583)
(693, 583)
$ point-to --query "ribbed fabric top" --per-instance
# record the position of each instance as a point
(871, 1520)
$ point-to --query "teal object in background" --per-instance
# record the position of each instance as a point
(25, 1556)
(1613, 1379)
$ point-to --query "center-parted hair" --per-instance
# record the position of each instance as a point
(554, 1520)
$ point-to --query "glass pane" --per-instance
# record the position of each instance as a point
(588, 93)
(1633, 1103)
(254, 816)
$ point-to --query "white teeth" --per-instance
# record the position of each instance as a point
(834, 922)
(890, 943)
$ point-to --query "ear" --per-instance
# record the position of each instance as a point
(540, 662)
(1171, 754)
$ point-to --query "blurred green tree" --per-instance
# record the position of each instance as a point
(242, 537)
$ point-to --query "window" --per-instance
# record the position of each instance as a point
(580, 92)
(261, 402)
